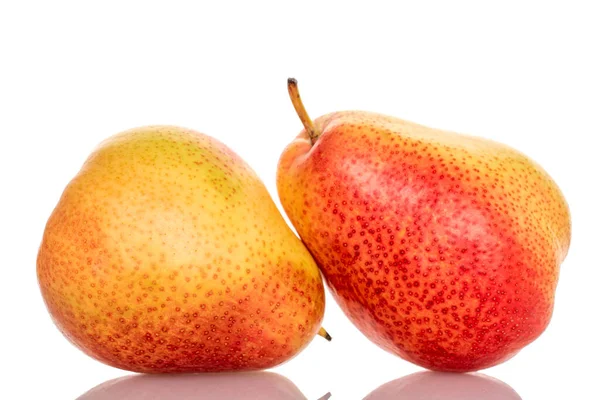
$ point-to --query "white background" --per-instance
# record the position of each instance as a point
(71, 74)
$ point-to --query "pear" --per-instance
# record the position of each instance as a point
(442, 248)
(166, 254)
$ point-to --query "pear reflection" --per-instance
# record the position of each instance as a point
(223, 386)
(444, 386)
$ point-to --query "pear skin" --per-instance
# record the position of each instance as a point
(166, 254)
(442, 248)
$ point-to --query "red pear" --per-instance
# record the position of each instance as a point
(441, 248)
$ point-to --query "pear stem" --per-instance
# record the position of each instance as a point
(300, 110)
(323, 333)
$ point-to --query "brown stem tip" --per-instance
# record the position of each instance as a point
(300, 110)
(323, 333)
(326, 397)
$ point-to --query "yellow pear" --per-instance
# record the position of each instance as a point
(166, 254)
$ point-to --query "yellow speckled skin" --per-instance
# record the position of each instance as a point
(166, 254)
(442, 248)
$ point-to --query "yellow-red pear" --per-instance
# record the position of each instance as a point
(166, 254)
